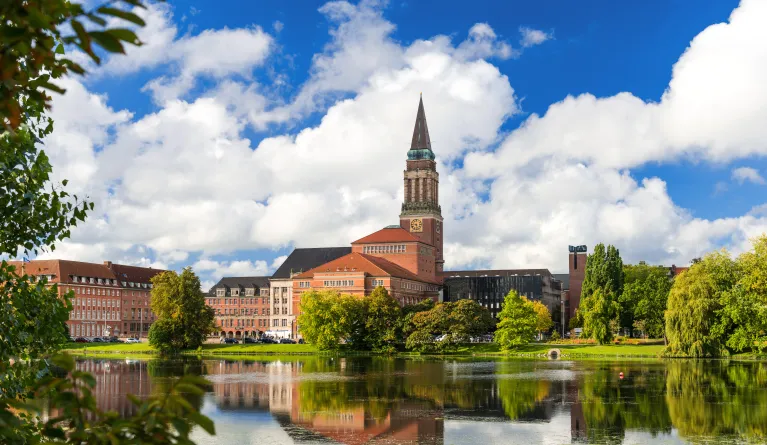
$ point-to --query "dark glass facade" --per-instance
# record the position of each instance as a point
(490, 290)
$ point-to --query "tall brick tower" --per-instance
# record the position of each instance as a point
(421, 212)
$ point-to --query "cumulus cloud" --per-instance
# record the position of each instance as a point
(532, 37)
(185, 182)
(747, 174)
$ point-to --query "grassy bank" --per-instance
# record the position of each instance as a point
(207, 349)
(572, 351)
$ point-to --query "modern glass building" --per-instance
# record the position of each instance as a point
(489, 287)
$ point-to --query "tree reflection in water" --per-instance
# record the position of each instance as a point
(359, 400)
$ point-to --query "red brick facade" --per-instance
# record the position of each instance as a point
(577, 266)
(108, 298)
(241, 306)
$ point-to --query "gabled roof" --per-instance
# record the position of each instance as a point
(242, 282)
(133, 273)
(363, 263)
(389, 234)
(304, 259)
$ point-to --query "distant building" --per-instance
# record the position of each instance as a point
(284, 309)
(109, 299)
(490, 287)
(241, 306)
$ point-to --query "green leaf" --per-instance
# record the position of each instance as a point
(64, 361)
(59, 49)
(125, 15)
(107, 41)
(126, 35)
(204, 422)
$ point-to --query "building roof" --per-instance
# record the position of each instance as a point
(494, 272)
(389, 234)
(132, 273)
(564, 278)
(242, 282)
(304, 259)
(63, 270)
(421, 138)
(368, 264)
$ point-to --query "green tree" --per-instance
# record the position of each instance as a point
(427, 324)
(184, 321)
(327, 318)
(468, 319)
(517, 321)
(745, 306)
(604, 271)
(651, 292)
(383, 314)
(34, 35)
(543, 318)
(694, 323)
(597, 321)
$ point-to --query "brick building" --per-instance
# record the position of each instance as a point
(108, 299)
(241, 306)
(407, 258)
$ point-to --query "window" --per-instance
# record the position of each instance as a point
(377, 283)
(284, 322)
(235, 292)
(303, 284)
(220, 292)
(276, 322)
(284, 311)
(249, 291)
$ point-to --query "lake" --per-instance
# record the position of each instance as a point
(464, 401)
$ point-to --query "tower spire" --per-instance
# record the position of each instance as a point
(421, 132)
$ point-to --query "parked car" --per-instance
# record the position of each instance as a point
(82, 340)
(287, 341)
(97, 340)
(115, 340)
(132, 340)
(300, 341)
(229, 341)
(249, 340)
(267, 340)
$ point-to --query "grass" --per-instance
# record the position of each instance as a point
(245, 351)
(207, 349)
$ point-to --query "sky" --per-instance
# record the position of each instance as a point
(235, 134)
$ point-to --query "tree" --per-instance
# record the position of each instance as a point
(597, 321)
(518, 321)
(427, 324)
(604, 271)
(35, 214)
(694, 323)
(644, 298)
(184, 321)
(468, 319)
(543, 318)
(745, 306)
(383, 313)
(327, 318)
(34, 35)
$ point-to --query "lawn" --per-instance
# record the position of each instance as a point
(575, 350)
(124, 348)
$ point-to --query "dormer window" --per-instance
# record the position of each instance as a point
(93, 281)
(235, 292)
(101, 281)
(249, 292)
(125, 283)
(220, 292)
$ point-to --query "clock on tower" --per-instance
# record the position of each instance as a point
(416, 225)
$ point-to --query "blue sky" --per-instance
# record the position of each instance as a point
(286, 84)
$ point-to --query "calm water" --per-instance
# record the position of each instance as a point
(374, 400)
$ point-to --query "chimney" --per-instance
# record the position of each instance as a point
(108, 264)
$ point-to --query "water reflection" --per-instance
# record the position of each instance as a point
(376, 400)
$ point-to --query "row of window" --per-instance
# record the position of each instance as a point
(304, 284)
(239, 322)
(377, 283)
(398, 248)
(251, 292)
(93, 315)
(338, 283)
(106, 281)
(249, 311)
(231, 301)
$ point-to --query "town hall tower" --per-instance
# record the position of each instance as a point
(421, 213)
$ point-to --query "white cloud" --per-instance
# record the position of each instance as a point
(278, 26)
(532, 37)
(184, 178)
(747, 174)
(232, 268)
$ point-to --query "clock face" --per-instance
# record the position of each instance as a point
(416, 225)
